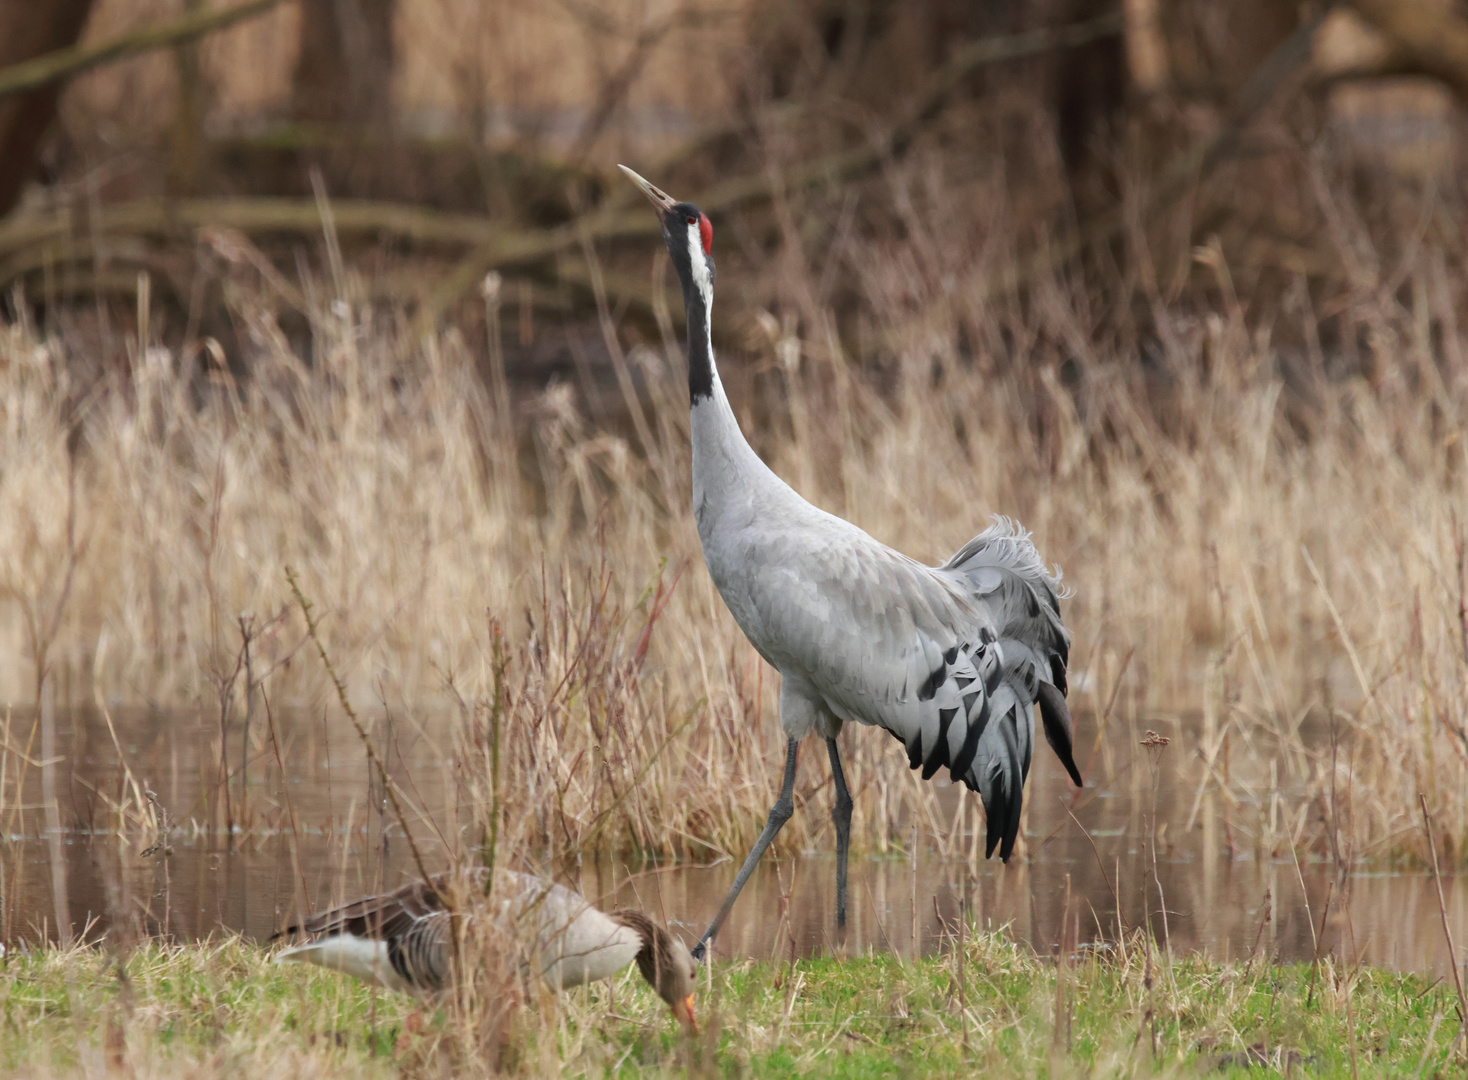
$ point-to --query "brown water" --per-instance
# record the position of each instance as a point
(1211, 899)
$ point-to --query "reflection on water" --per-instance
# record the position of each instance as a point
(1201, 897)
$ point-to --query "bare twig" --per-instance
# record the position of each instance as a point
(1458, 551)
(60, 895)
(1315, 962)
(159, 217)
(962, 947)
(341, 695)
(1121, 927)
(614, 89)
(290, 809)
(500, 659)
(1442, 908)
(1259, 936)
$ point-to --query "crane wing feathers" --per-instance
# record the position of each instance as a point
(1004, 569)
(949, 659)
(1058, 730)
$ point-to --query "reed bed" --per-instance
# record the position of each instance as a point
(1262, 537)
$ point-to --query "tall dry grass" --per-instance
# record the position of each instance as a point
(1264, 538)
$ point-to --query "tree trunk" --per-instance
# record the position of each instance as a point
(344, 74)
(28, 29)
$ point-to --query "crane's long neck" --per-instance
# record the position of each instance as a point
(727, 473)
(703, 376)
(724, 464)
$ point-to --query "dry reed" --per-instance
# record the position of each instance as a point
(1282, 565)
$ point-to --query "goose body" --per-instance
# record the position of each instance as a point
(404, 940)
(949, 659)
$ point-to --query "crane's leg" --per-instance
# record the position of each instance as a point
(779, 814)
(841, 815)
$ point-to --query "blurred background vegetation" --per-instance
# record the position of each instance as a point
(1097, 131)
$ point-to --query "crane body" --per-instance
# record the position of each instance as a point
(949, 659)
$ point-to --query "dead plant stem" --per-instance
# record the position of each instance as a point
(341, 694)
(1442, 908)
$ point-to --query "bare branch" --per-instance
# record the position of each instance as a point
(68, 63)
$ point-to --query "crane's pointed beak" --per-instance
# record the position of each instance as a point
(661, 199)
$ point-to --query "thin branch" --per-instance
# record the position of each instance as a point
(1120, 922)
(616, 87)
(1442, 909)
(341, 696)
(67, 63)
(171, 218)
(73, 555)
(290, 809)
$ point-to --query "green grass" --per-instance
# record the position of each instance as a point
(879, 1016)
(223, 1009)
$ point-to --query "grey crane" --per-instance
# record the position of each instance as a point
(949, 659)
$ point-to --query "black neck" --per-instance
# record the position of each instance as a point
(700, 347)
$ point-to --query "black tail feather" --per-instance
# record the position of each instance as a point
(1005, 798)
(1055, 716)
(994, 813)
(1015, 783)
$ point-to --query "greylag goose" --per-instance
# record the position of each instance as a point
(403, 940)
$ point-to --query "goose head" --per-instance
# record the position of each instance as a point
(666, 964)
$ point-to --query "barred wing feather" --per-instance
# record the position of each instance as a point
(949, 660)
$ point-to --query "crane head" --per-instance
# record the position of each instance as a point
(686, 230)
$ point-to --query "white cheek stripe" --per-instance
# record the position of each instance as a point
(705, 285)
(700, 266)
